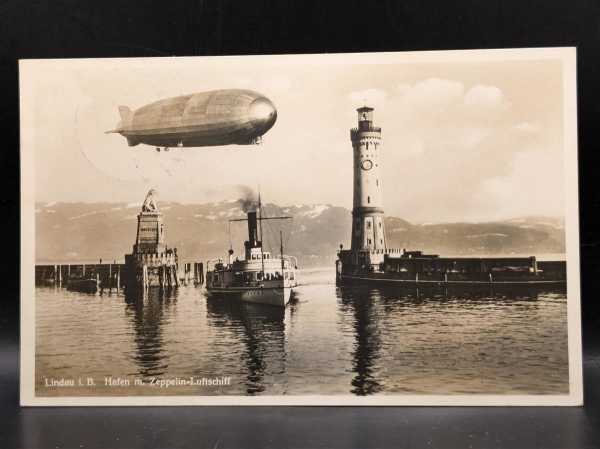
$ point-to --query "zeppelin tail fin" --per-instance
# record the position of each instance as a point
(125, 122)
(124, 126)
(126, 116)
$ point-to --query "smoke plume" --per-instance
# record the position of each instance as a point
(249, 199)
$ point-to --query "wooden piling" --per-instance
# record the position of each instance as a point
(145, 276)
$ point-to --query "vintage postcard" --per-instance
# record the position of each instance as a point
(340, 229)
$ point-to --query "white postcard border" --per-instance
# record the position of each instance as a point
(28, 69)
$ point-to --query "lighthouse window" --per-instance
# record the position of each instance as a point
(377, 182)
(369, 199)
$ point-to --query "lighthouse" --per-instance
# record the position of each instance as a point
(371, 261)
(368, 244)
(368, 228)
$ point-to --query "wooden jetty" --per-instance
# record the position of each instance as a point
(193, 272)
(84, 277)
(93, 277)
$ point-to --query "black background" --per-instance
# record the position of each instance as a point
(69, 29)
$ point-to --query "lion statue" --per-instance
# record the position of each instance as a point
(150, 203)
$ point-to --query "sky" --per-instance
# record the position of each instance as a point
(464, 139)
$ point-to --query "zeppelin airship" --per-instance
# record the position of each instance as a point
(219, 117)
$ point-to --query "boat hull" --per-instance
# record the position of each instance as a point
(382, 281)
(83, 285)
(272, 296)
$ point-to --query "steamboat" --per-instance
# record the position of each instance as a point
(259, 277)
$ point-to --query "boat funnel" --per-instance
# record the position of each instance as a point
(252, 230)
(252, 241)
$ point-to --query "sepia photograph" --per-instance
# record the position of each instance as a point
(325, 229)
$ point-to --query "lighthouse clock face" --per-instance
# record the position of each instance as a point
(366, 164)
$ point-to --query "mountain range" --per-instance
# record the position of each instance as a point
(87, 232)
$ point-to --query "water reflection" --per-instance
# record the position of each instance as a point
(378, 315)
(147, 311)
(262, 331)
(409, 296)
(364, 305)
(328, 341)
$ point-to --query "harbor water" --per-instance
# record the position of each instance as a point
(328, 341)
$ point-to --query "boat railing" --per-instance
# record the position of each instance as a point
(211, 264)
(293, 260)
